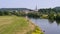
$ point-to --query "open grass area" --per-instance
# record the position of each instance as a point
(15, 25)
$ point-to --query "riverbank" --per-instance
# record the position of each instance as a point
(16, 25)
(36, 29)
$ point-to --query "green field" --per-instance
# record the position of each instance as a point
(14, 25)
(17, 25)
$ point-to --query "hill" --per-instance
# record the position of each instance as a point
(19, 9)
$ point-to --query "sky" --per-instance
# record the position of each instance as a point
(31, 4)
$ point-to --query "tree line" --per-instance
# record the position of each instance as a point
(9, 13)
(51, 12)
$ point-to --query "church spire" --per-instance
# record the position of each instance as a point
(36, 8)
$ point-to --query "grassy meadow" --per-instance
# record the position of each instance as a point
(15, 25)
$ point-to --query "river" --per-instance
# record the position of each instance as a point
(50, 27)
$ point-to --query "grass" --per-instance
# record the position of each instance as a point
(37, 30)
(15, 25)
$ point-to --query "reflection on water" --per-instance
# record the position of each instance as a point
(49, 25)
(52, 21)
(58, 22)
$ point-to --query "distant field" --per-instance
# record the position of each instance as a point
(14, 25)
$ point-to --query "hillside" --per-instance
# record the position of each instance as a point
(19, 9)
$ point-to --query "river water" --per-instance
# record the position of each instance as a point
(50, 27)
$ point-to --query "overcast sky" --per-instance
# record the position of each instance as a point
(29, 3)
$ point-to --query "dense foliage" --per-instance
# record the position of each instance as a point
(50, 13)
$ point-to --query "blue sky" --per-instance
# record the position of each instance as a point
(29, 3)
